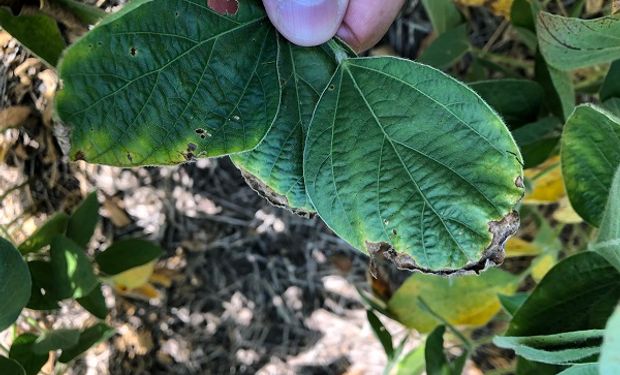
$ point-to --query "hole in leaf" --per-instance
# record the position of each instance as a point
(332, 87)
(133, 51)
(225, 7)
(129, 157)
(191, 147)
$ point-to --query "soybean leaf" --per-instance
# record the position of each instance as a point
(523, 18)
(571, 43)
(72, 271)
(15, 284)
(422, 165)
(447, 49)
(590, 155)
(21, 351)
(85, 13)
(38, 32)
(412, 363)
(94, 303)
(560, 349)
(512, 303)
(382, 333)
(55, 340)
(611, 85)
(10, 367)
(525, 367)
(139, 92)
(582, 369)
(517, 100)
(466, 300)
(558, 88)
(127, 254)
(276, 165)
(87, 338)
(444, 15)
(56, 225)
(434, 356)
(42, 292)
(609, 360)
(613, 105)
(83, 221)
(537, 140)
(579, 293)
(608, 241)
(134, 277)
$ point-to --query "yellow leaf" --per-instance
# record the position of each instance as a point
(502, 8)
(134, 278)
(542, 266)
(548, 185)
(469, 300)
(517, 247)
(566, 214)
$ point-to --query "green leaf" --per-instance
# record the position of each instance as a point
(126, 254)
(10, 367)
(517, 100)
(72, 270)
(523, 18)
(21, 351)
(613, 105)
(173, 92)
(579, 293)
(444, 15)
(412, 363)
(610, 224)
(610, 350)
(584, 369)
(82, 223)
(277, 163)
(447, 49)
(85, 13)
(611, 85)
(42, 292)
(38, 32)
(434, 356)
(537, 140)
(561, 349)
(525, 367)
(571, 43)
(94, 303)
(15, 284)
(465, 300)
(56, 225)
(55, 340)
(381, 333)
(558, 88)
(411, 145)
(87, 338)
(511, 303)
(590, 155)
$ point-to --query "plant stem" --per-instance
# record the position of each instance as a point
(456, 332)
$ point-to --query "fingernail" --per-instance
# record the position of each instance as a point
(306, 22)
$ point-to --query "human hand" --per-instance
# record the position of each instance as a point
(360, 23)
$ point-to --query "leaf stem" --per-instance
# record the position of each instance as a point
(339, 52)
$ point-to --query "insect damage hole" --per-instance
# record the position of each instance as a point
(133, 51)
(225, 7)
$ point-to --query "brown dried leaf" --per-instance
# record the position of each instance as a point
(13, 117)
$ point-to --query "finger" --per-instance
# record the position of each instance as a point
(366, 21)
(306, 22)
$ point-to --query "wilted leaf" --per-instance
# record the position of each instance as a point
(590, 156)
(172, 93)
(542, 265)
(127, 254)
(465, 300)
(548, 185)
(15, 116)
(566, 214)
(134, 277)
(15, 284)
(419, 148)
(517, 247)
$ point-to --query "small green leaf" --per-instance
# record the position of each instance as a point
(610, 350)
(611, 85)
(56, 225)
(277, 163)
(517, 100)
(15, 284)
(42, 292)
(525, 367)
(72, 270)
(584, 369)
(10, 367)
(55, 340)
(38, 32)
(608, 240)
(412, 363)
(590, 155)
(558, 87)
(21, 351)
(560, 349)
(571, 43)
(381, 333)
(87, 338)
(579, 293)
(94, 303)
(434, 356)
(400, 155)
(447, 49)
(538, 140)
(465, 300)
(511, 303)
(82, 223)
(126, 254)
(444, 15)
(195, 83)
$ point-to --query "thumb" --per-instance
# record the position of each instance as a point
(306, 22)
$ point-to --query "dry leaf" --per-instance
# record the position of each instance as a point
(594, 6)
(117, 215)
(517, 247)
(566, 214)
(135, 277)
(13, 117)
(542, 266)
(615, 6)
(548, 185)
